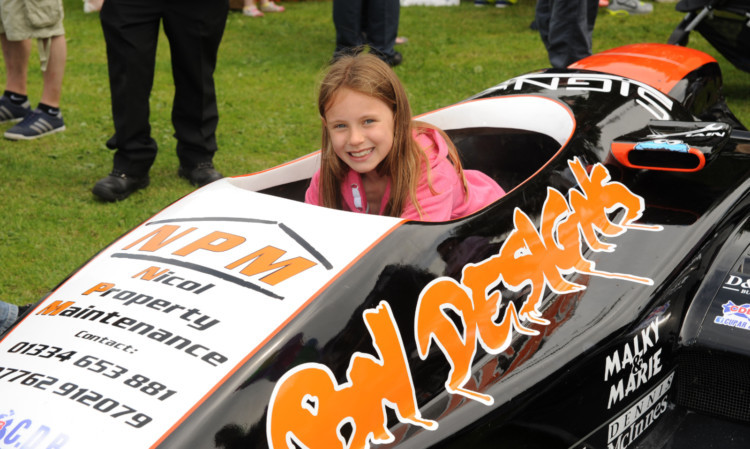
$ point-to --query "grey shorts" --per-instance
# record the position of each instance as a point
(31, 19)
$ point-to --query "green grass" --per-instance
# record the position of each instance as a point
(266, 80)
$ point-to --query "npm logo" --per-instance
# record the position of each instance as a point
(228, 256)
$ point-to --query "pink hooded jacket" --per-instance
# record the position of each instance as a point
(450, 201)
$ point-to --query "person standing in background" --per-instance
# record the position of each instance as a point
(367, 22)
(194, 29)
(566, 27)
(20, 22)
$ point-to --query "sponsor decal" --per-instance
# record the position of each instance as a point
(737, 283)
(710, 130)
(309, 408)
(634, 364)
(190, 317)
(631, 424)
(191, 247)
(24, 433)
(734, 314)
(652, 100)
(108, 351)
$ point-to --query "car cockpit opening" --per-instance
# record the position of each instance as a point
(508, 138)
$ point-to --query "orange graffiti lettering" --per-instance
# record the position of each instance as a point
(600, 196)
(460, 346)
(537, 258)
(308, 408)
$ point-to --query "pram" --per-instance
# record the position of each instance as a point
(724, 23)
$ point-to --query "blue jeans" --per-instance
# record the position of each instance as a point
(8, 315)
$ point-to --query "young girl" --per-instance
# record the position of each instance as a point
(376, 160)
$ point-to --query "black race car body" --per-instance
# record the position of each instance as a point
(603, 302)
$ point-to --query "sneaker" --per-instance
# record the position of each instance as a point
(630, 7)
(202, 174)
(480, 2)
(502, 3)
(35, 125)
(11, 112)
(270, 6)
(117, 186)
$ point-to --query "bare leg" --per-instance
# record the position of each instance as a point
(53, 76)
(16, 57)
(251, 9)
(92, 5)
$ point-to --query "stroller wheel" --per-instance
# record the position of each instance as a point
(679, 37)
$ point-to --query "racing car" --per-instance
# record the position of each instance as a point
(603, 302)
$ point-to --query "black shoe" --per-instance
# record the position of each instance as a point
(112, 142)
(117, 186)
(202, 174)
(395, 60)
(392, 60)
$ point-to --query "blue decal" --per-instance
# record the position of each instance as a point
(23, 433)
(734, 316)
(664, 145)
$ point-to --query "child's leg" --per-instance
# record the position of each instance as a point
(251, 9)
(270, 6)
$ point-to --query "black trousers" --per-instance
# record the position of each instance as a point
(194, 29)
(566, 27)
(371, 22)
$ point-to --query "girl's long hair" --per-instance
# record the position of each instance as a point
(371, 76)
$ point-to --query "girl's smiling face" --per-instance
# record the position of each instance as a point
(360, 128)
